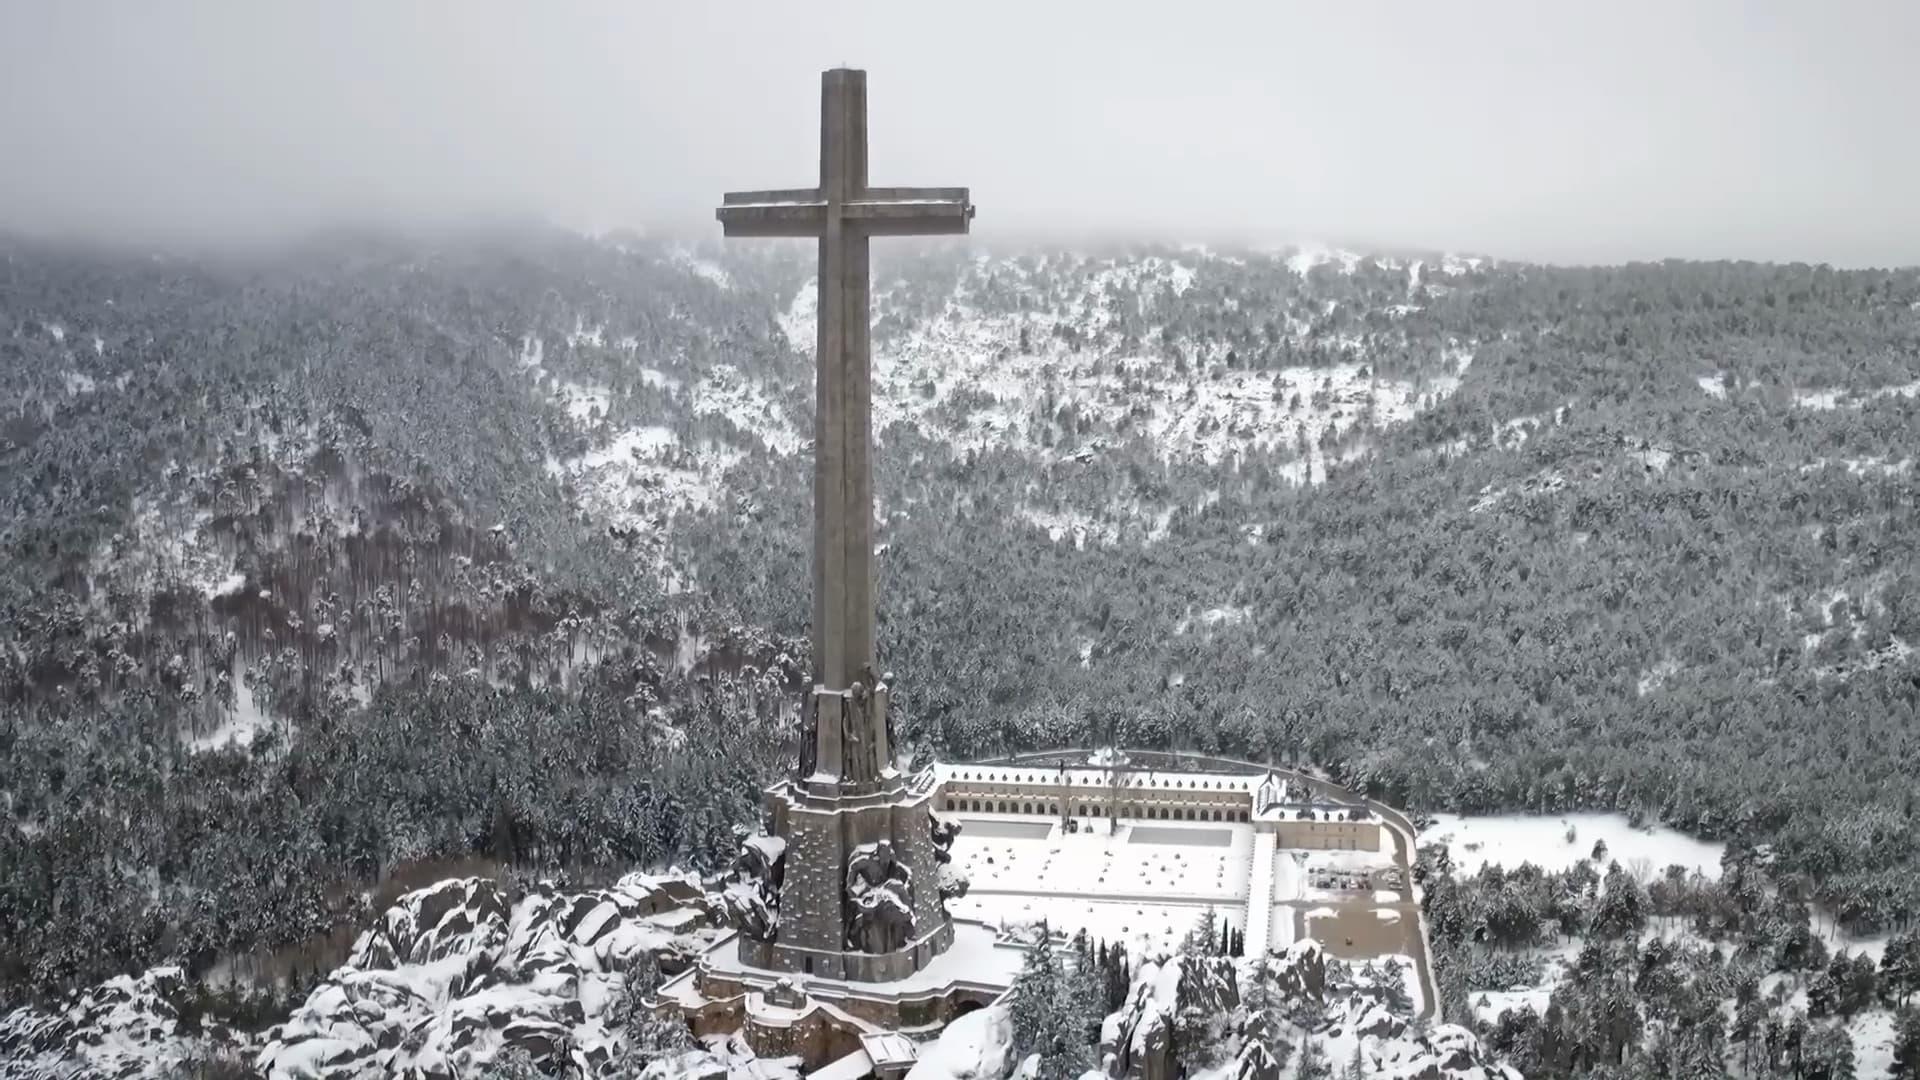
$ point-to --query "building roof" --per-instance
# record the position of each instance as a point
(1132, 779)
(851, 1067)
(889, 1048)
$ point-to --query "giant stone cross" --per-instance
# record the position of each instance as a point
(849, 752)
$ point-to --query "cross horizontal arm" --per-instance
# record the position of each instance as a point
(773, 219)
(878, 212)
(781, 195)
(913, 217)
(915, 194)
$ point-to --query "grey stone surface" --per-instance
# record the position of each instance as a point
(848, 794)
(843, 212)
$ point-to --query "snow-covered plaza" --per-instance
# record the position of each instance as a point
(1141, 856)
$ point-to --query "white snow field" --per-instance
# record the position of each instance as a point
(1511, 839)
(1146, 885)
(998, 365)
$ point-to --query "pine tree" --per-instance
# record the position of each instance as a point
(1118, 975)
(513, 1063)
(1036, 992)
(1906, 1046)
(1082, 994)
(1828, 1054)
(1201, 939)
(1053, 1013)
(1900, 966)
(1313, 1063)
(1356, 1068)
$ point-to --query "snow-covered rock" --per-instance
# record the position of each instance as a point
(451, 977)
(978, 1046)
(126, 1027)
(1136, 1039)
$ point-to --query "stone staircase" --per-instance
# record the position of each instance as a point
(1260, 895)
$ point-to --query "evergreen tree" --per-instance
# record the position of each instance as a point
(1828, 1054)
(1053, 1011)
(513, 1063)
(1202, 939)
(1906, 1046)
(1900, 966)
(1623, 905)
(1312, 1064)
(1036, 995)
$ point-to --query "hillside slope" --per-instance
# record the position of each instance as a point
(1473, 535)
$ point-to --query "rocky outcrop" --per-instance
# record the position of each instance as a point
(126, 1027)
(1186, 1014)
(452, 977)
(977, 1046)
(447, 981)
(1300, 973)
(1448, 1052)
(458, 917)
(1137, 1040)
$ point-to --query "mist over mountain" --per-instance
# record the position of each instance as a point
(1572, 134)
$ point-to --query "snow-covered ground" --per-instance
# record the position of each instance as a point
(1146, 885)
(1656, 676)
(1844, 398)
(749, 406)
(975, 373)
(441, 985)
(1862, 466)
(1557, 842)
(467, 976)
(1872, 1043)
(243, 722)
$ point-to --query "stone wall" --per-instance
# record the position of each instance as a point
(821, 835)
(1328, 835)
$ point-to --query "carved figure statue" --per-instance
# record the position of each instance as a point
(886, 687)
(944, 833)
(880, 899)
(951, 882)
(752, 898)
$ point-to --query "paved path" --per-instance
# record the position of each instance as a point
(1214, 899)
(1260, 896)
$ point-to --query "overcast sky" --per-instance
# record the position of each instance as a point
(1589, 131)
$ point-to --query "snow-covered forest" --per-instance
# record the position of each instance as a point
(325, 567)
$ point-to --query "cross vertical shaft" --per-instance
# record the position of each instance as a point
(843, 643)
(862, 896)
(850, 751)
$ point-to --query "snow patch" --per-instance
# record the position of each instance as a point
(977, 1046)
(1852, 399)
(1656, 677)
(800, 322)
(724, 391)
(1511, 839)
(704, 268)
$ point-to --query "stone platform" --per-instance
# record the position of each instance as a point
(828, 836)
(822, 1019)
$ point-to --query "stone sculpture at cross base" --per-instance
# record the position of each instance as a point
(862, 891)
